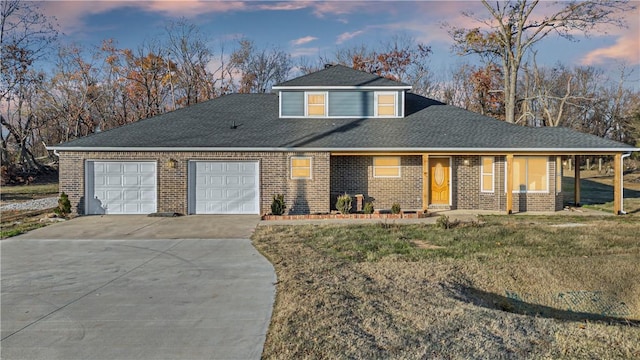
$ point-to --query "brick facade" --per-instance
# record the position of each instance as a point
(331, 176)
(301, 196)
(466, 187)
(354, 175)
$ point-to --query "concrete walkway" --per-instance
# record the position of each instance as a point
(70, 296)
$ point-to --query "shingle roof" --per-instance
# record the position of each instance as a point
(429, 125)
(339, 75)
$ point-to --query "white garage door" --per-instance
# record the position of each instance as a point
(121, 187)
(224, 187)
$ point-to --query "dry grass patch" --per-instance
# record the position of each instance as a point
(372, 291)
(16, 222)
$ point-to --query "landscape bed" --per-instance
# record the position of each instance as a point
(503, 287)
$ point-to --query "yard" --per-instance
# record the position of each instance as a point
(503, 287)
(16, 222)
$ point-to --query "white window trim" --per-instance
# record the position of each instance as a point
(399, 167)
(395, 104)
(310, 167)
(306, 103)
(493, 174)
(514, 191)
(559, 173)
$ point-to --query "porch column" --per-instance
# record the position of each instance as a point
(425, 182)
(509, 183)
(617, 184)
(576, 178)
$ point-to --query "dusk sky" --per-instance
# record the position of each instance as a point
(319, 28)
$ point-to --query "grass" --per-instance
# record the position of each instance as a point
(13, 223)
(511, 287)
(16, 229)
(28, 192)
(597, 191)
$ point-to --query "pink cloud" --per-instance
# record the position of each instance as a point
(303, 40)
(626, 46)
(71, 14)
(285, 6)
(304, 51)
(348, 36)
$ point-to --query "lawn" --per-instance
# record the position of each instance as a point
(504, 287)
(17, 222)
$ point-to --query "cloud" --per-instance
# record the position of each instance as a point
(625, 48)
(303, 40)
(306, 51)
(284, 6)
(348, 36)
(71, 15)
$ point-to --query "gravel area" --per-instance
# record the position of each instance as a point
(37, 204)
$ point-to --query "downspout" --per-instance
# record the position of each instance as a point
(622, 212)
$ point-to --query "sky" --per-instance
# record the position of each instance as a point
(315, 28)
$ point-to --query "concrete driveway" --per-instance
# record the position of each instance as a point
(134, 287)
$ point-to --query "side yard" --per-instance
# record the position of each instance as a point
(16, 217)
(504, 287)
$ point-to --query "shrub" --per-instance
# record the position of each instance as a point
(343, 204)
(368, 208)
(395, 208)
(64, 205)
(443, 222)
(277, 205)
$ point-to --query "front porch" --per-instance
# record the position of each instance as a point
(511, 183)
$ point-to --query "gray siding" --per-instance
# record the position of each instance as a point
(292, 103)
(341, 103)
(351, 103)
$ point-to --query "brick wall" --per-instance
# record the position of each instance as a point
(354, 175)
(467, 193)
(331, 176)
(301, 196)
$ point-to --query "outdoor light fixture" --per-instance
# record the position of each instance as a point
(465, 162)
(171, 163)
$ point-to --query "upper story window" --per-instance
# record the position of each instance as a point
(316, 104)
(386, 104)
(341, 103)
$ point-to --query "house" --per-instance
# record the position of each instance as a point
(331, 132)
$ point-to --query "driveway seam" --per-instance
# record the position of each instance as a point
(145, 226)
(91, 292)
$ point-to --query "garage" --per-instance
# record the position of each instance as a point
(121, 187)
(224, 187)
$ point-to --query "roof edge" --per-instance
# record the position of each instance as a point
(371, 150)
(394, 87)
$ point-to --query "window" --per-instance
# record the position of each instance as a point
(530, 174)
(386, 104)
(558, 175)
(300, 167)
(316, 104)
(386, 167)
(486, 173)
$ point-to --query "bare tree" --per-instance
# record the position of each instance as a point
(259, 68)
(401, 59)
(187, 49)
(557, 95)
(26, 36)
(512, 28)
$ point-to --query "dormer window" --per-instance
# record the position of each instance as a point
(316, 104)
(386, 103)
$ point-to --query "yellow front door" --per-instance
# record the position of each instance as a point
(439, 174)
